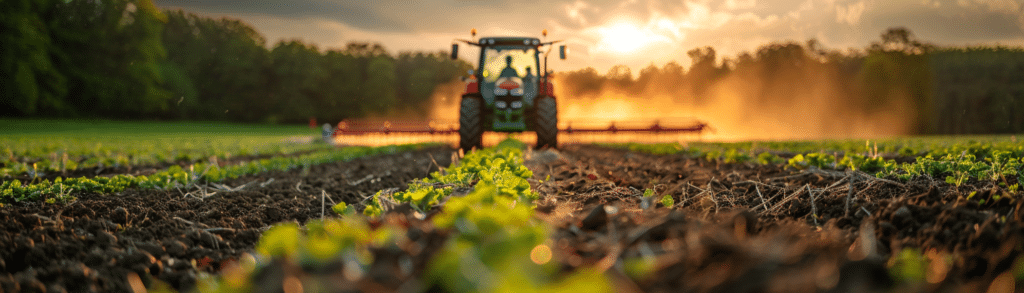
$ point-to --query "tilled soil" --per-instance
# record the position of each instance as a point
(755, 228)
(733, 228)
(105, 243)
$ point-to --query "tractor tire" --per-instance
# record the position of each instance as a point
(547, 122)
(471, 131)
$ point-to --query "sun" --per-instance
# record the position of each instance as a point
(626, 37)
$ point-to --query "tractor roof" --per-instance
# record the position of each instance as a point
(509, 41)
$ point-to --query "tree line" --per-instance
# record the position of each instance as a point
(126, 59)
(940, 90)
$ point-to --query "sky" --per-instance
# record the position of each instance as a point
(636, 33)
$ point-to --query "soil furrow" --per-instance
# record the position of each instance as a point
(743, 227)
(100, 242)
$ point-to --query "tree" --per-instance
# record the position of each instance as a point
(646, 78)
(32, 83)
(580, 83)
(365, 49)
(703, 71)
(379, 86)
(342, 87)
(418, 74)
(900, 39)
(896, 72)
(125, 81)
(224, 59)
(296, 72)
(977, 90)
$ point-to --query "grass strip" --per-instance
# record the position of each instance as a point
(33, 147)
(61, 189)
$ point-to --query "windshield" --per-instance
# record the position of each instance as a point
(495, 63)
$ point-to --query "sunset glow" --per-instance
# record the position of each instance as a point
(632, 33)
(626, 38)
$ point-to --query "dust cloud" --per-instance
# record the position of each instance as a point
(806, 105)
(803, 103)
(444, 102)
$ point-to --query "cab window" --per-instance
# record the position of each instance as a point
(495, 61)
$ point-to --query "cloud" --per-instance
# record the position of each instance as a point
(850, 14)
(951, 22)
(1008, 6)
(574, 11)
(350, 12)
(740, 4)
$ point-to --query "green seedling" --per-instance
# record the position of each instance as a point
(343, 209)
(648, 192)
(668, 201)
(767, 158)
(908, 266)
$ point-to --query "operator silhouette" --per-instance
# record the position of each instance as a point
(508, 71)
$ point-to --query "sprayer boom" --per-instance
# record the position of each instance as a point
(380, 132)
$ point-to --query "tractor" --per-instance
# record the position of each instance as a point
(508, 92)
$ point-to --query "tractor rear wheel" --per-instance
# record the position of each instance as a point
(547, 122)
(470, 127)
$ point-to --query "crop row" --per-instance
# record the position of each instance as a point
(908, 147)
(35, 156)
(954, 161)
(61, 189)
(494, 242)
(979, 146)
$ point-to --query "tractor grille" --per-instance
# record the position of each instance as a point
(508, 113)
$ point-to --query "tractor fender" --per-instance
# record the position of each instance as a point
(472, 88)
(547, 89)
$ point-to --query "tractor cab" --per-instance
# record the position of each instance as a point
(510, 91)
(507, 80)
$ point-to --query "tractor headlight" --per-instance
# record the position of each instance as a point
(517, 104)
(517, 91)
(500, 104)
(535, 42)
(500, 92)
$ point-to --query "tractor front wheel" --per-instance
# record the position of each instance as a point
(547, 122)
(470, 126)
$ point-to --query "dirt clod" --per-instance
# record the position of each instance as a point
(595, 220)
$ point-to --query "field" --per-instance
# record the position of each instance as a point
(237, 208)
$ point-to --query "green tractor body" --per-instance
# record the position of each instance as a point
(509, 92)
